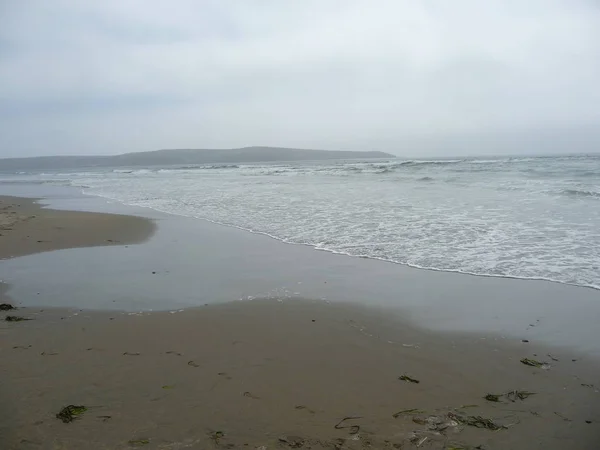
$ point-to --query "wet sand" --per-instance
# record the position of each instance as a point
(279, 373)
(26, 228)
(249, 374)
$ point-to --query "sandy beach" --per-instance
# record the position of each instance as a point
(268, 373)
(26, 228)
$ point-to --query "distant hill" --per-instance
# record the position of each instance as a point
(183, 156)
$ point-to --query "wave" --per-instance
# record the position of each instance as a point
(36, 182)
(19, 182)
(132, 171)
(339, 169)
(587, 173)
(194, 166)
(198, 167)
(202, 167)
(378, 168)
(442, 162)
(580, 193)
(512, 160)
(74, 174)
(490, 161)
(221, 166)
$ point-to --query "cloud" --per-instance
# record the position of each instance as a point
(115, 76)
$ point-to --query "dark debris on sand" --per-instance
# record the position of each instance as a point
(138, 442)
(15, 319)
(408, 411)
(216, 436)
(477, 422)
(408, 379)
(292, 441)
(513, 396)
(70, 413)
(534, 363)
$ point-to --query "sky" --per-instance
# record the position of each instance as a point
(411, 77)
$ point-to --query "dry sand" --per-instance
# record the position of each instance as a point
(276, 374)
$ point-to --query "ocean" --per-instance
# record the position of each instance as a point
(534, 217)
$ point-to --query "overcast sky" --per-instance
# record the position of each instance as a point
(414, 77)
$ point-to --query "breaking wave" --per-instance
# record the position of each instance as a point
(581, 193)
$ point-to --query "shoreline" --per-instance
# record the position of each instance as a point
(336, 252)
(274, 372)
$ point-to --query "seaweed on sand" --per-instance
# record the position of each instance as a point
(477, 422)
(513, 396)
(216, 436)
(408, 379)
(520, 395)
(493, 397)
(533, 363)
(138, 442)
(407, 411)
(15, 319)
(70, 413)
